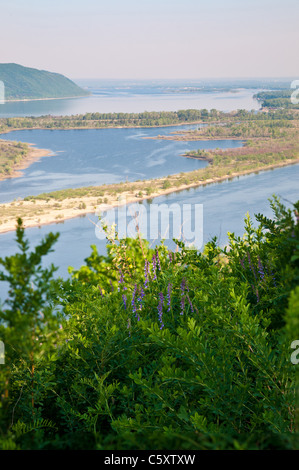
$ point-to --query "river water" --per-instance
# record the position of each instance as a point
(224, 205)
(93, 157)
(96, 156)
(136, 97)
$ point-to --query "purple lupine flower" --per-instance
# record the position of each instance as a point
(169, 288)
(112, 288)
(242, 262)
(124, 297)
(261, 269)
(182, 305)
(160, 309)
(170, 256)
(158, 260)
(101, 292)
(140, 298)
(133, 299)
(142, 294)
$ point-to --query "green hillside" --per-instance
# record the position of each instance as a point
(28, 83)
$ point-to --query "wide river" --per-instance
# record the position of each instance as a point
(224, 204)
(93, 157)
(97, 156)
(136, 97)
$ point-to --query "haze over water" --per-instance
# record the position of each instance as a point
(136, 97)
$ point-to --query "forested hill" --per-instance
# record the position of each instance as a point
(28, 83)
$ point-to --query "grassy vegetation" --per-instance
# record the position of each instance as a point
(151, 349)
(12, 154)
(266, 141)
(104, 120)
(145, 119)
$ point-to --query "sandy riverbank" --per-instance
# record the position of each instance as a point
(41, 212)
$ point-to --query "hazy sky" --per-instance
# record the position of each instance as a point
(152, 38)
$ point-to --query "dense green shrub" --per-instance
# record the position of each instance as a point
(161, 350)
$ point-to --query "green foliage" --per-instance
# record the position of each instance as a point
(27, 304)
(11, 154)
(28, 83)
(29, 329)
(235, 122)
(277, 99)
(167, 350)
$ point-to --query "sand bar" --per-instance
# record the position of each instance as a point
(44, 212)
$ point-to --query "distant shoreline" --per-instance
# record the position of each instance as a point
(46, 99)
(74, 128)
